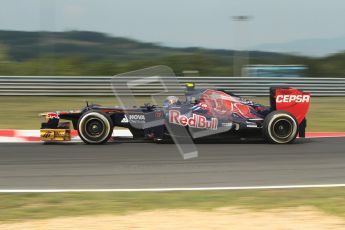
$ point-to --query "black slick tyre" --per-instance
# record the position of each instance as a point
(95, 127)
(280, 127)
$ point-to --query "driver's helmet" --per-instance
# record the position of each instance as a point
(171, 100)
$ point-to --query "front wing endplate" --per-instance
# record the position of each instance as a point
(55, 134)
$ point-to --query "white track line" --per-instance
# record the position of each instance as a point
(171, 189)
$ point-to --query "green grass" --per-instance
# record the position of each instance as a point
(19, 112)
(16, 207)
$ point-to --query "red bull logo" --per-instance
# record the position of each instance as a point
(196, 121)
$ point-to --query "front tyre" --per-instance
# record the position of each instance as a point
(95, 127)
(280, 127)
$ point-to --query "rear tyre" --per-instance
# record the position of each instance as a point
(95, 127)
(280, 127)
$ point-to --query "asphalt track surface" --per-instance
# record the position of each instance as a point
(149, 165)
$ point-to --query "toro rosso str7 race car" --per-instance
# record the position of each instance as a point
(203, 114)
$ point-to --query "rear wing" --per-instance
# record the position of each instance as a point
(290, 100)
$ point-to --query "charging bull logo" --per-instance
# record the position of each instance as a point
(196, 121)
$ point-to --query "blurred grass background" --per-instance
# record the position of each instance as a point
(87, 53)
(21, 112)
(24, 206)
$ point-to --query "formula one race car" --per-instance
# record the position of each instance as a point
(205, 113)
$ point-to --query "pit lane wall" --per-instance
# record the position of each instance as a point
(101, 85)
